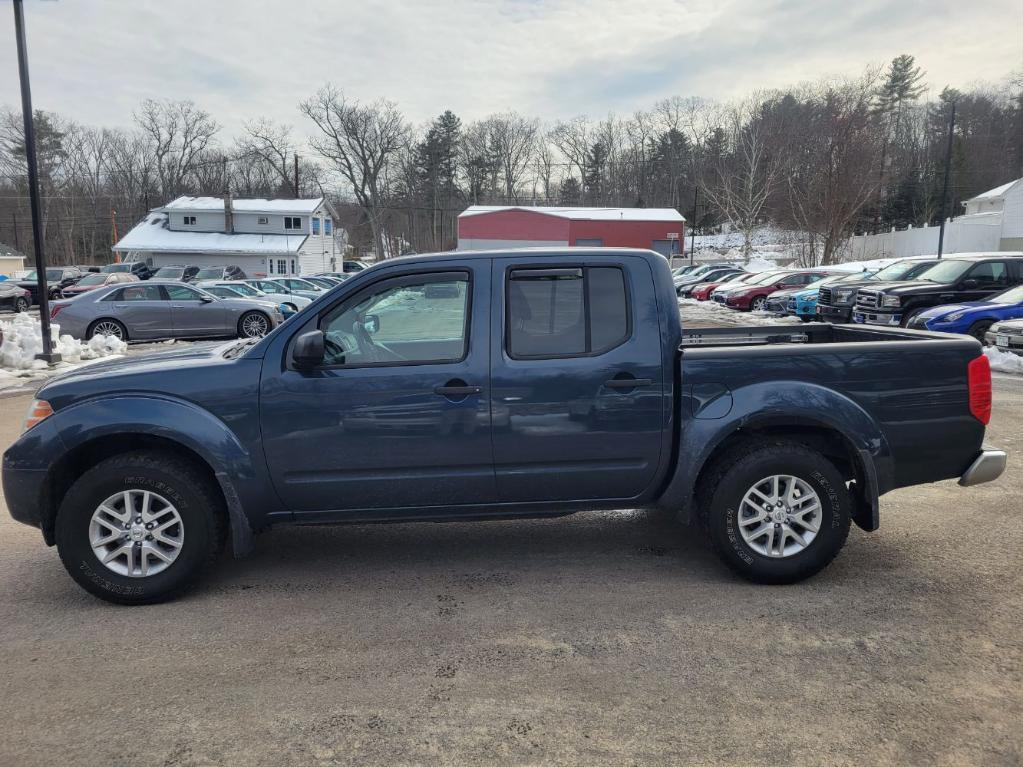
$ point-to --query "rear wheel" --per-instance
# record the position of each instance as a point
(978, 329)
(20, 304)
(108, 327)
(775, 511)
(253, 325)
(139, 528)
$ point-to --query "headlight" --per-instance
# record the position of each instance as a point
(842, 296)
(891, 301)
(953, 317)
(38, 411)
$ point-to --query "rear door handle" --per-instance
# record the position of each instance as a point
(628, 383)
(457, 391)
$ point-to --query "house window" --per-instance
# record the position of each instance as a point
(292, 222)
(282, 265)
(316, 225)
(270, 265)
(293, 267)
(188, 220)
(263, 220)
(328, 226)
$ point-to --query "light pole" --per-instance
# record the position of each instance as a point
(47, 353)
(948, 173)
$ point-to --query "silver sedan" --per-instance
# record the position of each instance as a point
(158, 309)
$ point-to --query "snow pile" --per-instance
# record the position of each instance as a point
(1004, 362)
(23, 340)
(708, 314)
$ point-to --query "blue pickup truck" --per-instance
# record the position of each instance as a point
(495, 385)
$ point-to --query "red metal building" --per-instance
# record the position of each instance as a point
(483, 227)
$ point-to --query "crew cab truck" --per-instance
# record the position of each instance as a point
(493, 385)
(954, 279)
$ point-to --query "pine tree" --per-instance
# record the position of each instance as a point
(569, 192)
(593, 175)
(901, 85)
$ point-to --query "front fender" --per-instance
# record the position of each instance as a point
(779, 404)
(241, 472)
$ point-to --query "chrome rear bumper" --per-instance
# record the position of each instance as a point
(986, 467)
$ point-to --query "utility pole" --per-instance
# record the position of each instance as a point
(692, 227)
(14, 223)
(296, 175)
(47, 353)
(948, 172)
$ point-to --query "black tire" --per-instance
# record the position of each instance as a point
(908, 317)
(290, 306)
(197, 501)
(757, 303)
(120, 325)
(979, 328)
(243, 333)
(21, 304)
(724, 485)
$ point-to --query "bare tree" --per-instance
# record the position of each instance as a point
(573, 139)
(743, 181)
(271, 143)
(512, 138)
(360, 141)
(178, 133)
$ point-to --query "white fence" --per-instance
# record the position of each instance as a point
(967, 234)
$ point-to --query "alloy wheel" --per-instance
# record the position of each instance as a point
(136, 533)
(779, 516)
(255, 325)
(108, 328)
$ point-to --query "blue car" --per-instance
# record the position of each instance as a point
(972, 317)
(803, 303)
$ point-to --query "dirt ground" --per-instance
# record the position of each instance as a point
(603, 638)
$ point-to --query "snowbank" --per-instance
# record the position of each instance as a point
(23, 340)
(1004, 362)
(696, 314)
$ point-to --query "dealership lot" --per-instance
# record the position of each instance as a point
(595, 638)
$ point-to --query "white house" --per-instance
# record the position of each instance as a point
(991, 221)
(12, 261)
(263, 237)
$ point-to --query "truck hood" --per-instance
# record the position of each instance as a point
(910, 288)
(967, 306)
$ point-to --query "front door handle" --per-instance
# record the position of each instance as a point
(628, 383)
(457, 390)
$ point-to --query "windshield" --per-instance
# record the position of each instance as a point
(1011, 296)
(93, 279)
(210, 273)
(945, 272)
(110, 268)
(243, 289)
(766, 278)
(222, 292)
(169, 272)
(903, 270)
(304, 285)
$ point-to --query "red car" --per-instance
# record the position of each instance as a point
(754, 297)
(702, 291)
(96, 280)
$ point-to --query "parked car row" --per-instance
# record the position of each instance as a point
(976, 294)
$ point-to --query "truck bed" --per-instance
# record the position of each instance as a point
(810, 333)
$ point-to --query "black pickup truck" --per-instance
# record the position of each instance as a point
(953, 280)
(835, 304)
(491, 385)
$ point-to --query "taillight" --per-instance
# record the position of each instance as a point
(55, 309)
(978, 374)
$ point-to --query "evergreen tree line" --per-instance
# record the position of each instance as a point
(824, 159)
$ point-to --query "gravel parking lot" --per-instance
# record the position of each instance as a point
(601, 638)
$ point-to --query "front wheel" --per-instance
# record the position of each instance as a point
(775, 511)
(253, 325)
(139, 528)
(20, 304)
(979, 329)
(757, 304)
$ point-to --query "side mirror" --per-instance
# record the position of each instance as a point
(308, 351)
(370, 323)
(970, 284)
(206, 299)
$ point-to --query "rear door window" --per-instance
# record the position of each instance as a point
(565, 311)
(989, 274)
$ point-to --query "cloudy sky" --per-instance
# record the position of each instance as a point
(94, 60)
